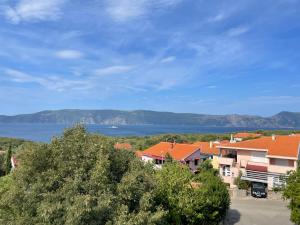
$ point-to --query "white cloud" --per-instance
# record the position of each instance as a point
(69, 54)
(237, 31)
(112, 70)
(52, 83)
(217, 18)
(34, 10)
(124, 10)
(168, 59)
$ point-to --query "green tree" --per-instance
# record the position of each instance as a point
(8, 160)
(292, 192)
(79, 179)
(241, 184)
(200, 199)
(206, 166)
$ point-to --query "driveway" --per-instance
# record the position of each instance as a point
(258, 212)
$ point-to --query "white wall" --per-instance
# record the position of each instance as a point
(147, 159)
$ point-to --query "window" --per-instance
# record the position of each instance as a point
(196, 162)
(187, 162)
(159, 161)
(281, 162)
(226, 171)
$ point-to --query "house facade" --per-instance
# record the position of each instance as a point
(188, 154)
(211, 149)
(265, 160)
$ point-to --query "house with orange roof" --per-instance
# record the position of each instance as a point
(263, 160)
(123, 146)
(211, 149)
(188, 154)
(245, 135)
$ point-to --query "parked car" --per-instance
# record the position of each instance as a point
(258, 190)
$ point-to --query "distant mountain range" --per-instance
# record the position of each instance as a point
(143, 117)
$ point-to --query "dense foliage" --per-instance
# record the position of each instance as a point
(9, 146)
(292, 192)
(80, 178)
(241, 184)
(14, 143)
(200, 199)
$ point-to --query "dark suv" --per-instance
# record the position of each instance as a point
(258, 190)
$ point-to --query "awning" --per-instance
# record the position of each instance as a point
(257, 168)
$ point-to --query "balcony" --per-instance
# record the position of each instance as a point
(256, 172)
(226, 161)
(256, 176)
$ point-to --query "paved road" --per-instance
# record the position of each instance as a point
(258, 212)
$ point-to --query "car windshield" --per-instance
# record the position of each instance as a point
(258, 186)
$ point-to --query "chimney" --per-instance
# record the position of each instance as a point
(273, 137)
(210, 144)
(231, 139)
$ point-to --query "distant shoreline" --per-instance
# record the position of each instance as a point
(43, 132)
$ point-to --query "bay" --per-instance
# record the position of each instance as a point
(45, 132)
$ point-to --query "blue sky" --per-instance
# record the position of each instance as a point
(216, 57)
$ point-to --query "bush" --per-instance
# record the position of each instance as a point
(241, 184)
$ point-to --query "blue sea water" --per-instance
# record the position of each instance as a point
(45, 132)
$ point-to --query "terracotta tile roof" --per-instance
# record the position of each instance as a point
(125, 146)
(285, 146)
(206, 148)
(176, 150)
(246, 135)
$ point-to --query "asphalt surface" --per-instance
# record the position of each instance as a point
(258, 212)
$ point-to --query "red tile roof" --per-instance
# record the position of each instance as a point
(177, 151)
(284, 146)
(125, 146)
(208, 148)
(246, 135)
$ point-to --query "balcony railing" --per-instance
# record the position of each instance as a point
(256, 176)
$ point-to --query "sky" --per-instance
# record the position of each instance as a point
(212, 57)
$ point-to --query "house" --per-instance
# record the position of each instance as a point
(124, 146)
(245, 135)
(264, 160)
(188, 154)
(211, 149)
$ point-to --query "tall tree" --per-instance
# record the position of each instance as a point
(8, 160)
(292, 192)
